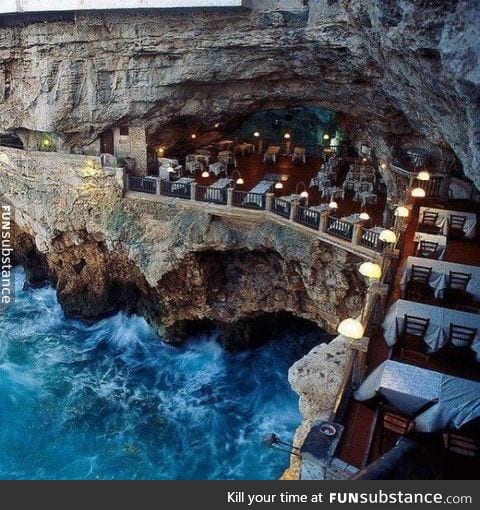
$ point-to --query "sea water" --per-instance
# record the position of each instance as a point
(111, 401)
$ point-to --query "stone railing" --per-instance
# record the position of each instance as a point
(352, 238)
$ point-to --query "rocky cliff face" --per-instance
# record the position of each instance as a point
(403, 72)
(171, 261)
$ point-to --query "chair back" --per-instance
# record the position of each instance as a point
(458, 281)
(397, 423)
(461, 336)
(461, 445)
(420, 274)
(427, 249)
(457, 222)
(415, 326)
(429, 218)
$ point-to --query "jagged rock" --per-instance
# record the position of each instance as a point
(401, 73)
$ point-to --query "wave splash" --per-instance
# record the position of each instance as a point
(111, 401)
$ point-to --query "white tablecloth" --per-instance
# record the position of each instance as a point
(408, 389)
(440, 239)
(444, 215)
(405, 387)
(216, 168)
(245, 148)
(259, 189)
(271, 153)
(438, 329)
(439, 277)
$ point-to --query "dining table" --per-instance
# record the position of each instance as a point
(437, 332)
(438, 280)
(271, 153)
(434, 401)
(443, 220)
(441, 240)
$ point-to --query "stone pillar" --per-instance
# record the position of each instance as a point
(359, 350)
(389, 256)
(121, 178)
(229, 197)
(159, 186)
(269, 201)
(293, 210)
(193, 191)
(357, 233)
(323, 220)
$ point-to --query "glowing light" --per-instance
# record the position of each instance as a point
(418, 193)
(326, 136)
(256, 134)
(240, 181)
(351, 328)
(46, 142)
(304, 194)
(217, 125)
(364, 160)
(423, 176)
(279, 185)
(364, 216)
(333, 205)
(205, 174)
(286, 136)
(170, 169)
(370, 270)
(383, 166)
(194, 136)
(401, 211)
(388, 236)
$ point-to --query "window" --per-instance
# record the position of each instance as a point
(124, 130)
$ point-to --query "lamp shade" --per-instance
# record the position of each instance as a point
(194, 136)
(217, 125)
(286, 136)
(418, 193)
(326, 136)
(402, 212)
(205, 174)
(351, 328)
(333, 205)
(304, 194)
(364, 216)
(256, 134)
(370, 270)
(383, 166)
(423, 176)
(279, 185)
(387, 236)
(240, 181)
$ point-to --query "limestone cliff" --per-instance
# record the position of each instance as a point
(172, 261)
(402, 72)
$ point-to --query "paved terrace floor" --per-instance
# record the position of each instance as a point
(361, 442)
(252, 168)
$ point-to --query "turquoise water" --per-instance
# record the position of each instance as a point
(111, 401)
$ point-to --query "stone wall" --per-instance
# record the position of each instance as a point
(134, 146)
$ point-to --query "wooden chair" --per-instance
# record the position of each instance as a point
(429, 222)
(461, 445)
(455, 294)
(417, 287)
(461, 336)
(427, 249)
(394, 423)
(456, 224)
(413, 348)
